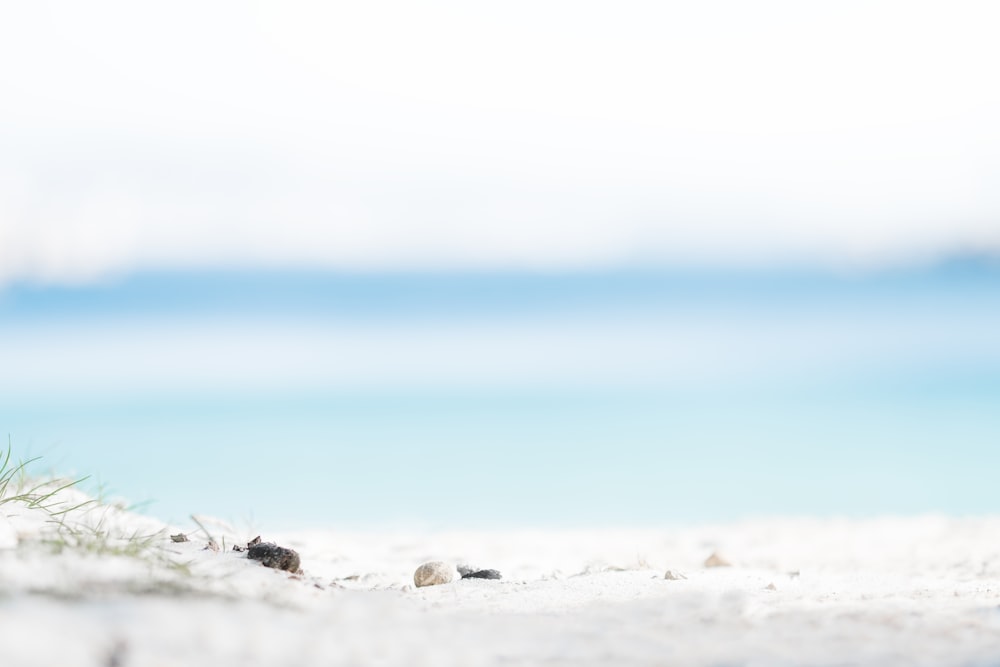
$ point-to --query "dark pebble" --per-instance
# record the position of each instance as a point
(271, 555)
(482, 574)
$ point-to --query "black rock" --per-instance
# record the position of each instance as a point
(481, 574)
(271, 555)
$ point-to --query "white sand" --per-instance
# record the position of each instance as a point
(895, 591)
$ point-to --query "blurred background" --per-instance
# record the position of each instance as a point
(547, 263)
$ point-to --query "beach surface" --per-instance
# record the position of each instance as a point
(101, 586)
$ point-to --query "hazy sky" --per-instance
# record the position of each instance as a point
(539, 135)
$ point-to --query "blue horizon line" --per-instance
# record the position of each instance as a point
(362, 293)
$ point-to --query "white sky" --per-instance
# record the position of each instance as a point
(538, 135)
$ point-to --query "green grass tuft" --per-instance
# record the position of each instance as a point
(70, 531)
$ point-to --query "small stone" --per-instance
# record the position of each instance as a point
(673, 576)
(770, 587)
(433, 573)
(179, 537)
(482, 574)
(715, 560)
(271, 555)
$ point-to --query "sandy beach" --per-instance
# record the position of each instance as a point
(655, 334)
(107, 587)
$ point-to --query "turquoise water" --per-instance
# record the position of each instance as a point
(628, 397)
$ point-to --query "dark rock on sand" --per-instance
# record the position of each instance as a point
(481, 574)
(271, 555)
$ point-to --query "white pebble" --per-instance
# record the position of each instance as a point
(433, 573)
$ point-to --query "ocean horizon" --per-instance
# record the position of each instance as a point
(628, 396)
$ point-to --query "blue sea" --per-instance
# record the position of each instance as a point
(635, 396)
